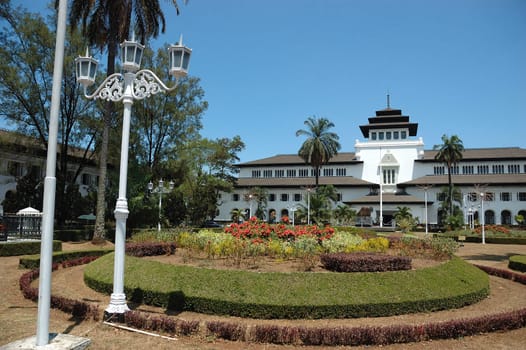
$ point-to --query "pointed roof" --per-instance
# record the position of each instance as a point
(389, 118)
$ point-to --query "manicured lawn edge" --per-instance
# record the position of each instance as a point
(517, 263)
(239, 331)
(293, 295)
(33, 261)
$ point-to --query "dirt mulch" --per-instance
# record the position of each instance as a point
(18, 316)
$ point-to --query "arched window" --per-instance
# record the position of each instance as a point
(505, 217)
(489, 217)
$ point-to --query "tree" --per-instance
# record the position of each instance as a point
(449, 153)
(165, 123)
(106, 23)
(321, 144)
(344, 214)
(260, 196)
(26, 55)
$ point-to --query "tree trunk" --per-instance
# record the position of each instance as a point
(100, 222)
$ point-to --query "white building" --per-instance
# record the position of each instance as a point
(390, 169)
(20, 154)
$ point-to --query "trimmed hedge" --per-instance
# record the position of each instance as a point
(25, 248)
(307, 295)
(33, 261)
(333, 336)
(517, 262)
(364, 262)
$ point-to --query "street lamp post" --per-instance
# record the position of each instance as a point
(425, 188)
(292, 209)
(133, 84)
(160, 190)
(482, 217)
(308, 206)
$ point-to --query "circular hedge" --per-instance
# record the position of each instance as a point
(293, 295)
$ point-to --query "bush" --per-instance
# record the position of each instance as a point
(262, 295)
(517, 262)
(364, 262)
(33, 261)
(25, 248)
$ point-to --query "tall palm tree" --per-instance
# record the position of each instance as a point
(106, 23)
(321, 144)
(449, 153)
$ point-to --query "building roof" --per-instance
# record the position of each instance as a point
(473, 154)
(387, 198)
(487, 154)
(294, 159)
(469, 180)
(389, 119)
(340, 181)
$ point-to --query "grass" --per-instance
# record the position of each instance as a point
(294, 295)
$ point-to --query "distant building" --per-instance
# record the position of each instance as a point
(20, 154)
(389, 169)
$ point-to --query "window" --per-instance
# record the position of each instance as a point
(439, 170)
(505, 196)
(256, 173)
(341, 172)
(304, 172)
(381, 135)
(272, 197)
(389, 176)
(338, 197)
(387, 135)
(267, 173)
(483, 169)
(514, 168)
(279, 173)
(291, 172)
(373, 136)
(467, 169)
(521, 196)
(489, 196)
(396, 135)
(87, 180)
(403, 135)
(472, 197)
(498, 169)
(284, 197)
(16, 169)
(328, 172)
(297, 197)
(235, 197)
(441, 196)
(313, 172)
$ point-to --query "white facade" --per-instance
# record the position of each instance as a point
(19, 155)
(391, 160)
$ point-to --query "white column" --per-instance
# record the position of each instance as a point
(118, 298)
(46, 245)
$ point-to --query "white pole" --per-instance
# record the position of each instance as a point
(160, 206)
(482, 217)
(118, 298)
(308, 206)
(46, 245)
(425, 198)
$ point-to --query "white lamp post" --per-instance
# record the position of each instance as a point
(308, 205)
(133, 84)
(425, 188)
(160, 190)
(482, 217)
(292, 210)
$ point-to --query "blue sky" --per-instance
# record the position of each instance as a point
(454, 66)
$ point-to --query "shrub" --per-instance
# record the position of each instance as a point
(150, 249)
(517, 262)
(25, 248)
(364, 262)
